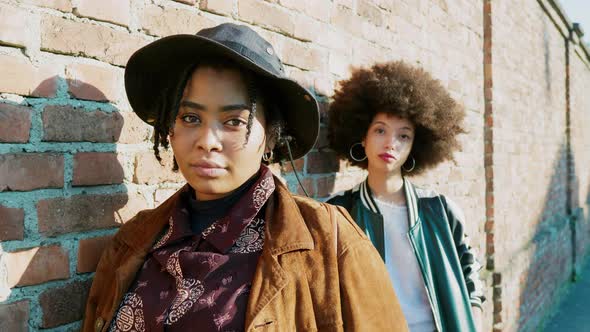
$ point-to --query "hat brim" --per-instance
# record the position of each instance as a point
(157, 65)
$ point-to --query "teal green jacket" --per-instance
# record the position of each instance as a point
(448, 265)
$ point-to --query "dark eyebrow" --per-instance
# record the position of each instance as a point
(192, 104)
(197, 106)
(235, 107)
(385, 124)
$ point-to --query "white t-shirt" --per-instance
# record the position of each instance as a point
(403, 268)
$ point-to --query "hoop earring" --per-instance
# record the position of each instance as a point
(268, 156)
(412, 168)
(352, 155)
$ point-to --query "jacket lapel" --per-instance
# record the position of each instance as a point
(411, 202)
(285, 232)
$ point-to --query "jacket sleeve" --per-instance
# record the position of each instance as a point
(367, 297)
(467, 257)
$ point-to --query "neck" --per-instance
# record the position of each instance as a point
(387, 186)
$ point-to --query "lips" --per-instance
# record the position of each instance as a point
(209, 169)
(388, 158)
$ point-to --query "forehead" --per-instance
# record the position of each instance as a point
(216, 82)
(393, 120)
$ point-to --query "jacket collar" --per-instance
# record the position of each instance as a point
(285, 228)
(368, 201)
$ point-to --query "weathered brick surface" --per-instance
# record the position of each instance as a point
(69, 124)
(89, 252)
(21, 77)
(267, 15)
(114, 11)
(62, 305)
(530, 158)
(86, 212)
(222, 7)
(37, 265)
(95, 168)
(322, 162)
(15, 26)
(134, 129)
(14, 316)
(149, 171)
(12, 225)
(166, 21)
(62, 35)
(28, 171)
(62, 5)
(93, 82)
(15, 123)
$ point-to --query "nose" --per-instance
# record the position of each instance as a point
(209, 139)
(393, 143)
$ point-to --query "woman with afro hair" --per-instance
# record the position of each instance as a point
(395, 120)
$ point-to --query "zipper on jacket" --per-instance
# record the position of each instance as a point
(434, 314)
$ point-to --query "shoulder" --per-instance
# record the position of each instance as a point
(330, 218)
(344, 198)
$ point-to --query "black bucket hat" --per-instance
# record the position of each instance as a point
(160, 64)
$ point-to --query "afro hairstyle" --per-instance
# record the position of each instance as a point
(402, 90)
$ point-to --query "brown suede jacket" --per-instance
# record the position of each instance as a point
(317, 271)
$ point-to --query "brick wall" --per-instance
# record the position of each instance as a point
(75, 162)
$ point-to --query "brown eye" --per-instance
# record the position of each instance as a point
(190, 118)
(235, 122)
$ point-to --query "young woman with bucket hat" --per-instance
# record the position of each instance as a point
(234, 250)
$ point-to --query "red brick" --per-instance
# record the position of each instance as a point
(326, 185)
(134, 129)
(64, 36)
(61, 5)
(322, 141)
(322, 162)
(89, 252)
(86, 212)
(15, 123)
(222, 7)
(267, 15)
(70, 124)
(62, 305)
(20, 77)
(114, 11)
(93, 82)
(14, 317)
(12, 225)
(159, 21)
(149, 171)
(96, 168)
(15, 26)
(28, 171)
(37, 265)
(308, 184)
(304, 55)
(287, 168)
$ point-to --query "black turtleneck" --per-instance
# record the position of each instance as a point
(204, 213)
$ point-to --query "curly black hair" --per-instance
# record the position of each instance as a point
(399, 89)
(168, 103)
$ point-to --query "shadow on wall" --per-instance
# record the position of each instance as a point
(552, 251)
(68, 165)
